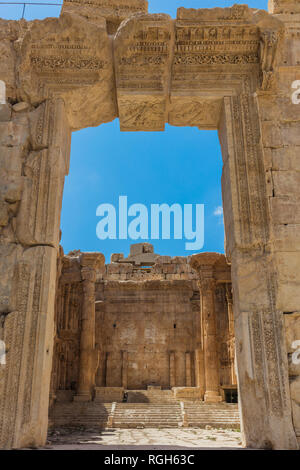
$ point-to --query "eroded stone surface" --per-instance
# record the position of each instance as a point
(148, 328)
(229, 69)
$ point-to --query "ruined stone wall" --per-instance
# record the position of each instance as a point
(151, 318)
(147, 320)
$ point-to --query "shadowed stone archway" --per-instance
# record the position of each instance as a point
(229, 69)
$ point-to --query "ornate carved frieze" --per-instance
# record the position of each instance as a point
(214, 37)
(143, 53)
(71, 58)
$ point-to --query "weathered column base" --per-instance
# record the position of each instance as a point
(212, 397)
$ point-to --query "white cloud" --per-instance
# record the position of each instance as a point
(218, 212)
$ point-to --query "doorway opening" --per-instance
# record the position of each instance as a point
(149, 333)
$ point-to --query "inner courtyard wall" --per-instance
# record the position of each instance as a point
(146, 317)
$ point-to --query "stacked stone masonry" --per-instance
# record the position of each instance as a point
(147, 326)
(233, 69)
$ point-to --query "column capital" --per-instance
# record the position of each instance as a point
(88, 274)
(205, 260)
(92, 260)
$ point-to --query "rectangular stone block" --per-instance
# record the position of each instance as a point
(9, 256)
(109, 394)
(285, 210)
(286, 183)
(272, 134)
(38, 220)
(286, 158)
(291, 133)
(287, 237)
(288, 296)
(288, 264)
(113, 269)
(187, 393)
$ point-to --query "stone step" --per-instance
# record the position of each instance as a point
(147, 415)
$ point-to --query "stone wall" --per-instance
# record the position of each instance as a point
(147, 324)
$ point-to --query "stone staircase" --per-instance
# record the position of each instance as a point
(96, 415)
(147, 415)
(77, 415)
(219, 415)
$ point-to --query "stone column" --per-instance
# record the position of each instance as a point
(89, 355)
(200, 370)
(204, 264)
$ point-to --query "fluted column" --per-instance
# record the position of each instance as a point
(204, 264)
(89, 355)
(212, 380)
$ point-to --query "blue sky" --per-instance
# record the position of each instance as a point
(180, 165)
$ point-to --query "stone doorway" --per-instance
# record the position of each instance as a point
(229, 69)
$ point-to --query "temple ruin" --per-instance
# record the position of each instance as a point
(234, 70)
(147, 329)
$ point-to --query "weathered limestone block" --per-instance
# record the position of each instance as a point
(109, 394)
(284, 6)
(114, 11)
(116, 257)
(187, 393)
(5, 112)
(143, 53)
(255, 326)
(288, 278)
(14, 141)
(28, 334)
(163, 260)
(113, 268)
(286, 237)
(38, 219)
(179, 260)
(9, 255)
(72, 58)
(9, 33)
(285, 210)
(286, 159)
